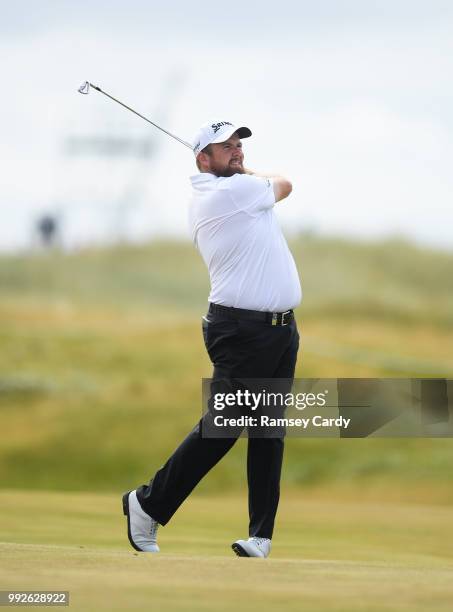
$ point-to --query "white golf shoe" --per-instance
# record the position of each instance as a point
(141, 528)
(253, 547)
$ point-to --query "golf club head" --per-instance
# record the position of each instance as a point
(84, 88)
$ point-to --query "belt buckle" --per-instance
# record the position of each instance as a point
(287, 312)
(280, 315)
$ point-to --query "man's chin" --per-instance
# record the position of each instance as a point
(230, 171)
(234, 169)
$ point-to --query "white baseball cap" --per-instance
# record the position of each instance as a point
(216, 131)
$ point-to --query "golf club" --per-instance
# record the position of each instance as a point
(85, 89)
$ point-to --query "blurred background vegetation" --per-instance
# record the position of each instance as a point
(102, 358)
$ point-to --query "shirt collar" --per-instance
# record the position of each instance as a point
(202, 177)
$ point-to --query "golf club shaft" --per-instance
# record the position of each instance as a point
(141, 116)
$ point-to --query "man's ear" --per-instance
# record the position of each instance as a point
(203, 159)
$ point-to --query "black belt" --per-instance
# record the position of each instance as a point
(273, 318)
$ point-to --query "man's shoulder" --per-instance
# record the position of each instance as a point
(234, 185)
(246, 181)
(211, 181)
(240, 185)
(249, 186)
(236, 181)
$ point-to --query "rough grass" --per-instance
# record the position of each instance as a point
(101, 360)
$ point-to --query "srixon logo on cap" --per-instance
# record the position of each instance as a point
(216, 126)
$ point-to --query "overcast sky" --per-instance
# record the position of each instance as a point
(352, 100)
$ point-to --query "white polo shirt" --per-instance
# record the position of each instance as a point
(235, 228)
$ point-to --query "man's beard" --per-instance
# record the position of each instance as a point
(226, 171)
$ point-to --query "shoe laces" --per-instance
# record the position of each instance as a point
(259, 541)
(153, 530)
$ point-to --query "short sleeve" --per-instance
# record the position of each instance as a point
(252, 193)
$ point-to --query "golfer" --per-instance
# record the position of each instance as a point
(249, 331)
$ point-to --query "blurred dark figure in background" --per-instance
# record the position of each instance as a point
(47, 230)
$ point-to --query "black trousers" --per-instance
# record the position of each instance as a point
(237, 349)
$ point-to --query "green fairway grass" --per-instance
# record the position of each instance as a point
(336, 555)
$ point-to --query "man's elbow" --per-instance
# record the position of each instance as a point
(284, 188)
(287, 188)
